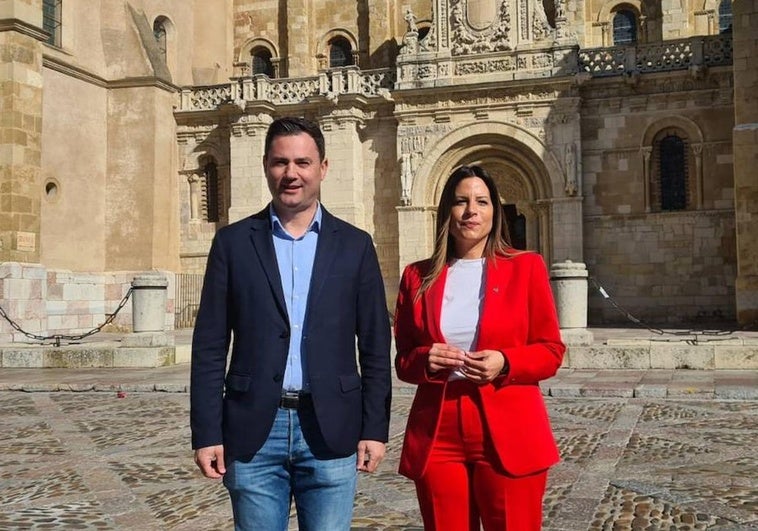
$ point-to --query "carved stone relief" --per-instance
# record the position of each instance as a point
(469, 40)
(412, 142)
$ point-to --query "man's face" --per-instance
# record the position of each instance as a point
(294, 173)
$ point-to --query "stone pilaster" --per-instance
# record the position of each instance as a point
(343, 189)
(416, 228)
(299, 36)
(249, 191)
(20, 129)
(565, 217)
(745, 140)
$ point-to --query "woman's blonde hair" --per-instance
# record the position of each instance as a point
(498, 241)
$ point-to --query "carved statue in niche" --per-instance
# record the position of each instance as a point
(411, 148)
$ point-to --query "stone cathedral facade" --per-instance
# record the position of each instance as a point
(622, 133)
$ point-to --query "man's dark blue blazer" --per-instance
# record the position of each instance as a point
(242, 298)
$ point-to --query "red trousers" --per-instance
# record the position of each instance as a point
(464, 480)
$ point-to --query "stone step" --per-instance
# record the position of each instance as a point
(627, 350)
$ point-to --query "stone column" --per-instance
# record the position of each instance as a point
(342, 191)
(745, 137)
(646, 153)
(149, 303)
(21, 50)
(569, 282)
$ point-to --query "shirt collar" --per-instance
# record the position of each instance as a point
(276, 222)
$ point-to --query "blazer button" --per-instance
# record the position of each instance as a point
(278, 378)
(284, 335)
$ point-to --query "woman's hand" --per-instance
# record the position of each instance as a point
(483, 366)
(445, 357)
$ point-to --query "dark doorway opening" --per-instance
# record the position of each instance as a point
(516, 226)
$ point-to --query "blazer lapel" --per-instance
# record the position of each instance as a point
(326, 251)
(263, 244)
(433, 306)
(496, 270)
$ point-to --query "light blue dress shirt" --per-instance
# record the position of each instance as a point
(295, 259)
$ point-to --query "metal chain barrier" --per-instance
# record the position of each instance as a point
(58, 337)
(714, 335)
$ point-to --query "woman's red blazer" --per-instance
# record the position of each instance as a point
(519, 319)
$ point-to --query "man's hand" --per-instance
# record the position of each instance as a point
(210, 460)
(483, 366)
(370, 454)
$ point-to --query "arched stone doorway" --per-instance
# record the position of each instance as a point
(529, 178)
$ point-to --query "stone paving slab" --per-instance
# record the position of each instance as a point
(104, 460)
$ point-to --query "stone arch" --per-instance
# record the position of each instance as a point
(170, 53)
(257, 42)
(680, 122)
(520, 163)
(249, 46)
(475, 140)
(199, 188)
(611, 6)
(329, 36)
(693, 133)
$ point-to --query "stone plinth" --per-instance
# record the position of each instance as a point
(569, 282)
(149, 303)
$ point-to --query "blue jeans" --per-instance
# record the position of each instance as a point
(293, 462)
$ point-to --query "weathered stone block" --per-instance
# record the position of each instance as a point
(77, 357)
(630, 357)
(681, 356)
(143, 357)
(22, 357)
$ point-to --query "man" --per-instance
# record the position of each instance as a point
(293, 286)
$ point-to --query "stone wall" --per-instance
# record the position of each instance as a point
(46, 302)
(666, 268)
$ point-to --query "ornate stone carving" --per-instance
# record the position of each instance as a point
(413, 139)
(540, 27)
(467, 40)
(410, 18)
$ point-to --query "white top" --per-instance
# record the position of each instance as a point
(462, 305)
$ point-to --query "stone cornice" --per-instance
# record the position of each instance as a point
(70, 70)
(143, 81)
(53, 63)
(19, 26)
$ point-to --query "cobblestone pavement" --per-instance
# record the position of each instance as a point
(97, 461)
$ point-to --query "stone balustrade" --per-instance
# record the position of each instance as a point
(681, 54)
(330, 84)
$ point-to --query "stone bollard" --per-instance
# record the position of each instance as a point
(149, 302)
(569, 282)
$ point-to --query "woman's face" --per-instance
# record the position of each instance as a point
(471, 217)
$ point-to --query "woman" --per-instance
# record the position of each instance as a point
(476, 330)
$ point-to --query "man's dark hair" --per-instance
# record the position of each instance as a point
(290, 125)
